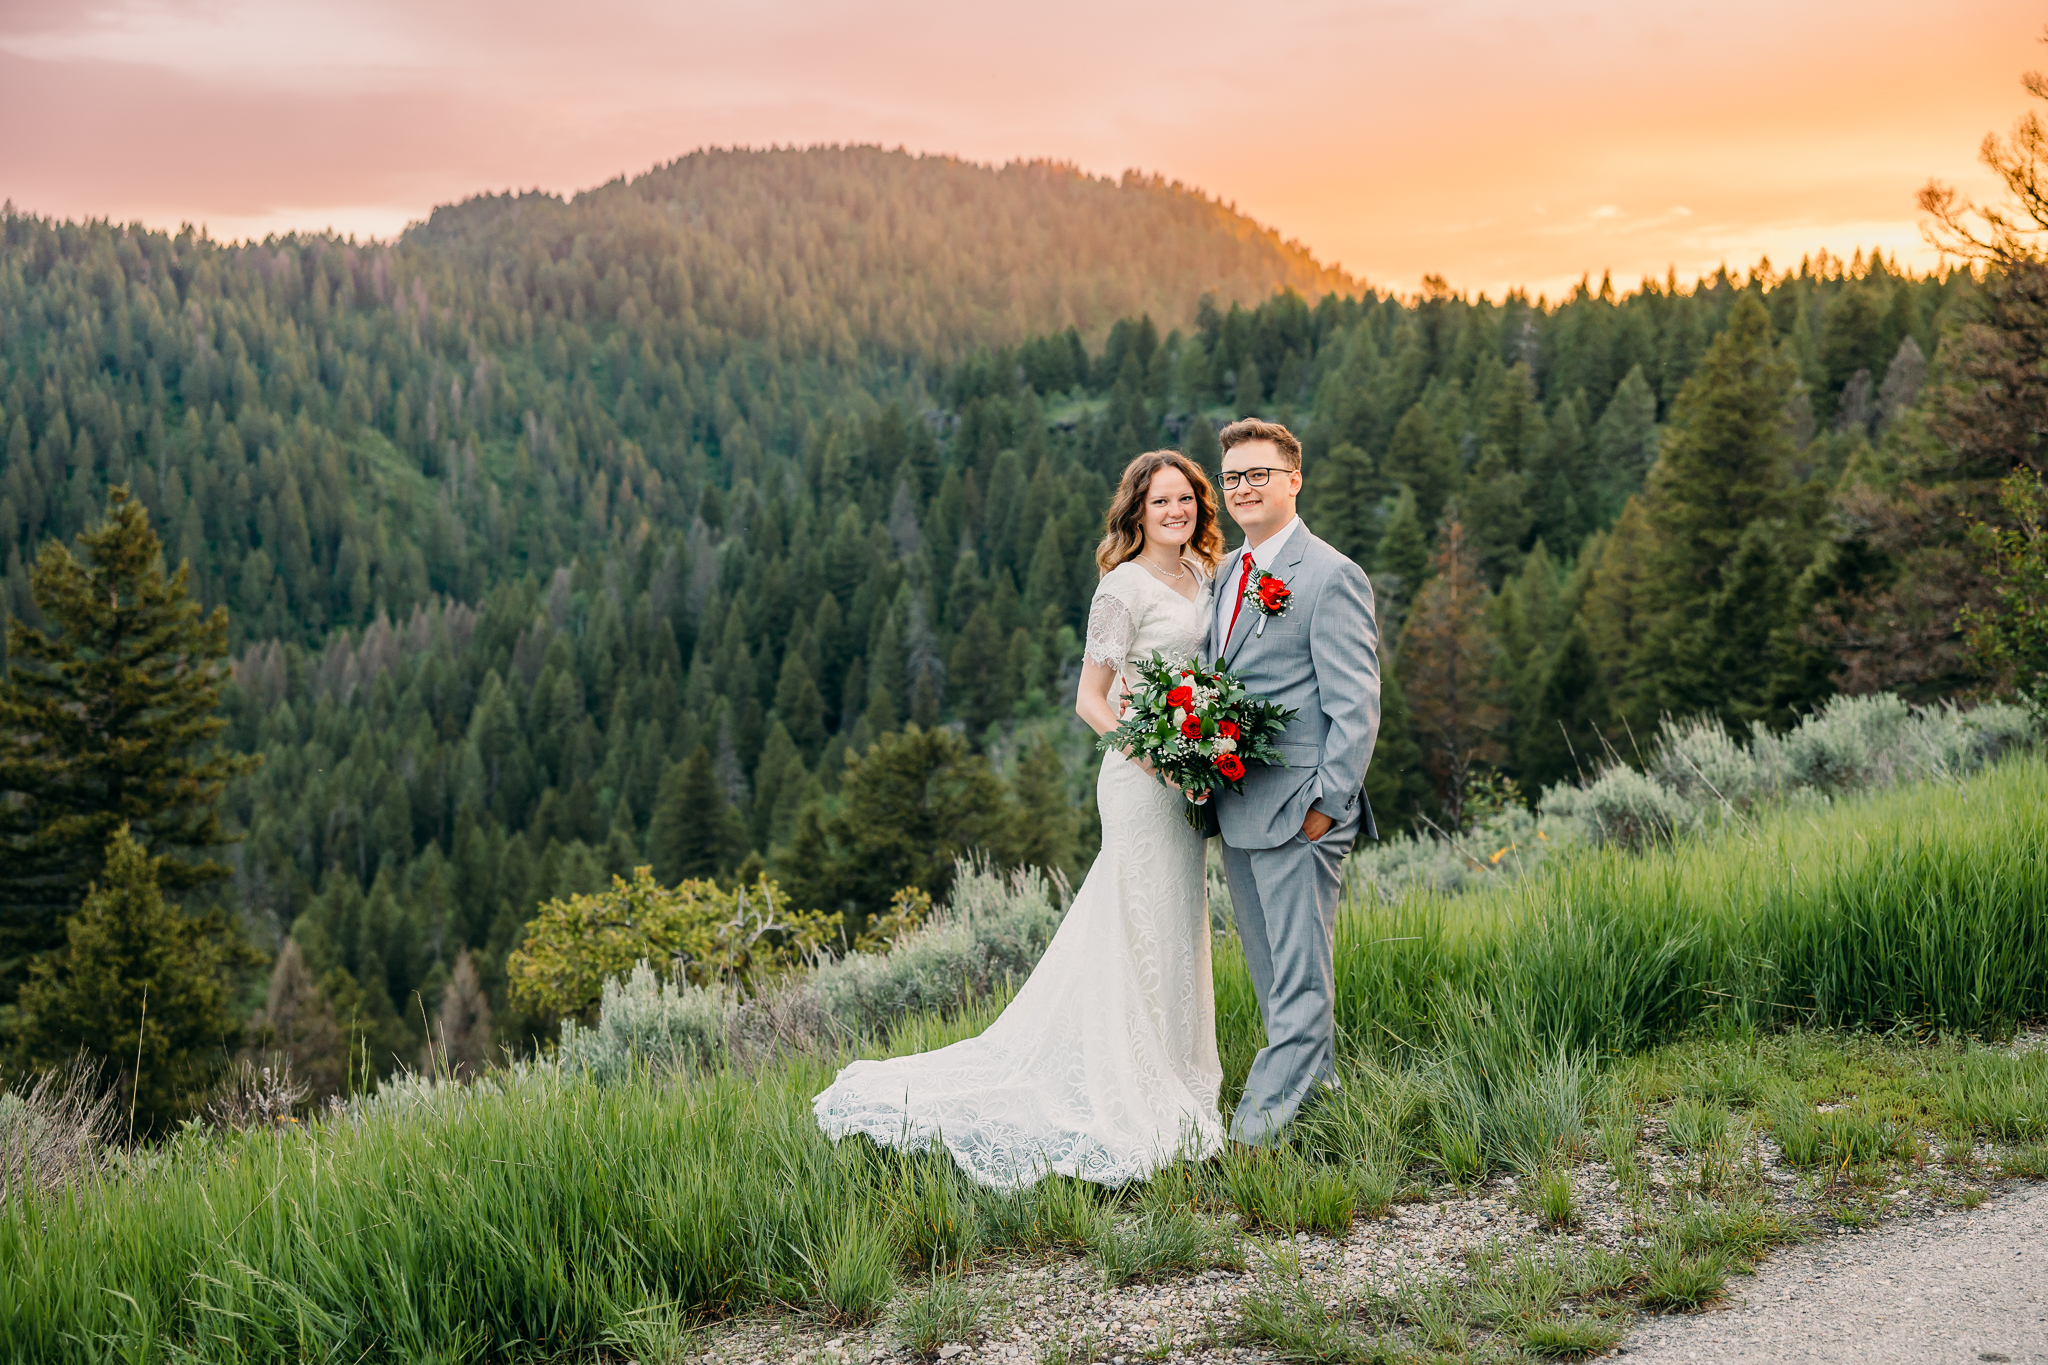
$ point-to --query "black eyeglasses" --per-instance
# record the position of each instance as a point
(1255, 477)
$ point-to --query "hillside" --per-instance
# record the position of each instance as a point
(834, 252)
(324, 429)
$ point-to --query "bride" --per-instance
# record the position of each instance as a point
(1104, 1066)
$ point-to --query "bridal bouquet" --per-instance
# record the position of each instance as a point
(1198, 727)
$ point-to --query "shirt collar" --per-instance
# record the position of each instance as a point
(1269, 550)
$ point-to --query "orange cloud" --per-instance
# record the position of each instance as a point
(1493, 143)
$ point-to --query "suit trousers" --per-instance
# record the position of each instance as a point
(1285, 900)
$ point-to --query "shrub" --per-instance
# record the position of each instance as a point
(710, 936)
(1624, 807)
(992, 933)
(54, 1130)
(644, 1021)
(1850, 744)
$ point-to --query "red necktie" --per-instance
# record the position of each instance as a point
(1242, 579)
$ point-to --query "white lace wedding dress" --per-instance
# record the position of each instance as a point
(1104, 1066)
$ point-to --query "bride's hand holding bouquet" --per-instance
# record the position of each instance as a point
(1195, 729)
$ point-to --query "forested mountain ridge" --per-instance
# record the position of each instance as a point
(321, 427)
(837, 252)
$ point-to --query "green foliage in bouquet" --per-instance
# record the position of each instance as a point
(712, 935)
(1198, 727)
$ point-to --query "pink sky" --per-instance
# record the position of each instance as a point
(1494, 143)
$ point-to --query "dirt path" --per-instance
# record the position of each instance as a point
(1961, 1288)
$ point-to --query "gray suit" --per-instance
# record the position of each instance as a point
(1322, 659)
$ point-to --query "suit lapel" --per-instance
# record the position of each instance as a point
(1291, 552)
(1248, 619)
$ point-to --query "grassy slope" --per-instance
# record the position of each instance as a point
(538, 1214)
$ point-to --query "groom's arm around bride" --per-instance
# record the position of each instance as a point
(1285, 835)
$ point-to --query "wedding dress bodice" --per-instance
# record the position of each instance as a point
(1135, 615)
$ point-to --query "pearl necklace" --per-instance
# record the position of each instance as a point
(1163, 575)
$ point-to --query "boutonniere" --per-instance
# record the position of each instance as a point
(1268, 595)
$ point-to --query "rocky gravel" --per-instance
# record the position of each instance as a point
(1969, 1287)
(1934, 1260)
(1947, 1271)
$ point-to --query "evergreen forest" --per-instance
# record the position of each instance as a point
(695, 519)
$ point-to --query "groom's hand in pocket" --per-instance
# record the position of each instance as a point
(1316, 825)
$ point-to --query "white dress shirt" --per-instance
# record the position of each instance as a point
(1226, 593)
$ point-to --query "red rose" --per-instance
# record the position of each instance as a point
(1227, 728)
(1272, 592)
(1181, 696)
(1230, 766)
(1191, 728)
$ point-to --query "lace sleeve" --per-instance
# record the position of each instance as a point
(1111, 630)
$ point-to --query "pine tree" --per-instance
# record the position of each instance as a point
(1400, 562)
(1202, 446)
(780, 783)
(910, 806)
(1619, 612)
(1730, 658)
(801, 705)
(1726, 461)
(1495, 513)
(138, 978)
(1425, 458)
(1346, 501)
(110, 722)
(298, 1020)
(1723, 477)
(1047, 833)
(1624, 443)
(1562, 503)
(1448, 672)
(1396, 782)
(977, 657)
(1526, 624)
(460, 1043)
(695, 831)
(1564, 739)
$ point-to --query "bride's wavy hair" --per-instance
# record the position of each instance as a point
(1124, 526)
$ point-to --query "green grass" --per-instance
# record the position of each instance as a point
(1570, 1338)
(1554, 1200)
(944, 1311)
(1695, 1127)
(1677, 1280)
(1161, 1242)
(1921, 905)
(537, 1217)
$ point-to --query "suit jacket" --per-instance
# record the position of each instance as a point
(1321, 657)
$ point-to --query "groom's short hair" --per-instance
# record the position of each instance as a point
(1248, 429)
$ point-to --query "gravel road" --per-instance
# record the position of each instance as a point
(1961, 1288)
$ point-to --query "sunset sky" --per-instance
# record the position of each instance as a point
(1494, 143)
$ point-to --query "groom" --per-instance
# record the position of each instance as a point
(1286, 834)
